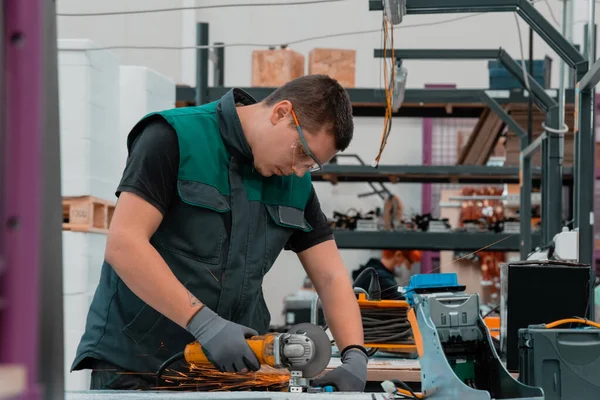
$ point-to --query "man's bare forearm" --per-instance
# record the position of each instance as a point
(147, 275)
(326, 270)
(341, 310)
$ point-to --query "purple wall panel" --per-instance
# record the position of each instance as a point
(22, 157)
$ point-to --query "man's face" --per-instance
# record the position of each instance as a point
(288, 148)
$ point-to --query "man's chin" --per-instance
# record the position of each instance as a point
(266, 172)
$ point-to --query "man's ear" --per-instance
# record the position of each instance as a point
(281, 111)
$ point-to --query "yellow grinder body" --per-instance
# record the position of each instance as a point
(304, 347)
(262, 347)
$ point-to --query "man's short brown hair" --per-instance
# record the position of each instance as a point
(319, 101)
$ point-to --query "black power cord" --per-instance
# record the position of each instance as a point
(374, 292)
(386, 326)
(171, 360)
(404, 386)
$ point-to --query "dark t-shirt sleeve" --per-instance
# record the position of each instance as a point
(321, 230)
(152, 165)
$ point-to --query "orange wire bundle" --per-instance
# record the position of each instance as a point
(208, 379)
(387, 124)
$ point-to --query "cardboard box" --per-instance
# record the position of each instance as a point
(339, 64)
(273, 68)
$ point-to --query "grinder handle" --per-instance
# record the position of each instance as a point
(261, 346)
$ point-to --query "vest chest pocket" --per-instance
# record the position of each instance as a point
(283, 222)
(200, 221)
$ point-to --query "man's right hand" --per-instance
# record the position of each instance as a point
(223, 342)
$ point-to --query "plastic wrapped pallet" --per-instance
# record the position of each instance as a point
(82, 263)
(89, 118)
(142, 90)
(273, 68)
(339, 64)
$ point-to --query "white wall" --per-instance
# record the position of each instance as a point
(89, 119)
(283, 24)
(152, 29)
(274, 25)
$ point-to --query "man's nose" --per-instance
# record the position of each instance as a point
(299, 171)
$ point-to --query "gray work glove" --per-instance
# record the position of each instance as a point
(351, 376)
(223, 342)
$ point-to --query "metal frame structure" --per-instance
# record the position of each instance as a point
(584, 130)
(551, 194)
(51, 334)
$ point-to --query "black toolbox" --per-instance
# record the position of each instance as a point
(565, 363)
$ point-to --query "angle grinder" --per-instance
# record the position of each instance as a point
(305, 350)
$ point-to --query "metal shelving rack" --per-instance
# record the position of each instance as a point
(550, 142)
(584, 169)
(420, 101)
(470, 103)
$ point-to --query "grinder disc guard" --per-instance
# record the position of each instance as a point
(322, 349)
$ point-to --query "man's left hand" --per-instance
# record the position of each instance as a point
(351, 376)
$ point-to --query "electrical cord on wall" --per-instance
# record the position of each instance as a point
(237, 5)
(388, 86)
(274, 45)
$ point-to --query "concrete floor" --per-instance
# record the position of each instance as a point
(162, 395)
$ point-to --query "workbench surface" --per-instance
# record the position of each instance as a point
(163, 395)
(380, 368)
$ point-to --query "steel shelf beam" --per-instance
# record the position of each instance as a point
(438, 54)
(456, 174)
(376, 97)
(433, 241)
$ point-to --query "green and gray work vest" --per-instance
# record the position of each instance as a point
(220, 236)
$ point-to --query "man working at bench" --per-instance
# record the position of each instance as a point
(209, 197)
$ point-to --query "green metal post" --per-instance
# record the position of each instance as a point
(201, 63)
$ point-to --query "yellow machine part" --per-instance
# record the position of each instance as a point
(262, 347)
(364, 303)
(493, 325)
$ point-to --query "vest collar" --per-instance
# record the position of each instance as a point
(230, 125)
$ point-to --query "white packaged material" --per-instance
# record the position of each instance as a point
(89, 119)
(76, 380)
(83, 254)
(142, 91)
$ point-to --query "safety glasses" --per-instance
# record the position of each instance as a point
(317, 166)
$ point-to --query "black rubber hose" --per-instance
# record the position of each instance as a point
(174, 358)
(374, 292)
(405, 387)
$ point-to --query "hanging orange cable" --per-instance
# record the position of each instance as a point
(388, 87)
